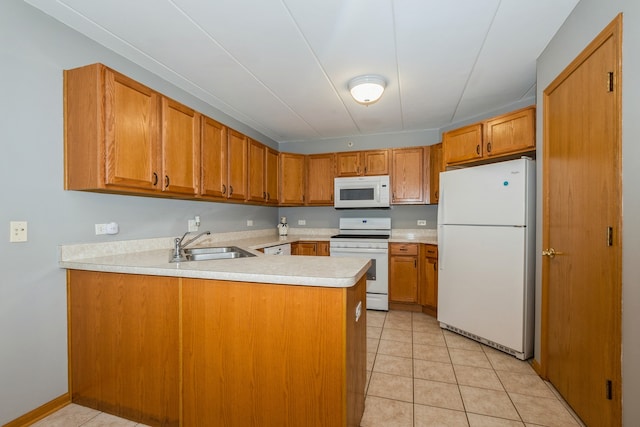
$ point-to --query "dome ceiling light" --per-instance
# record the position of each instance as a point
(367, 89)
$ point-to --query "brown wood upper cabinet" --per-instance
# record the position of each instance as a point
(263, 173)
(292, 179)
(123, 137)
(408, 175)
(224, 162)
(358, 163)
(505, 135)
(434, 160)
(320, 173)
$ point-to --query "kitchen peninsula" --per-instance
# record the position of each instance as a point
(240, 342)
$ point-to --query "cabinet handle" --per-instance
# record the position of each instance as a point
(264, 195)
(404, 249)
(166, 181)
(415, 263)
(478, 149)
(365, 170)
(155, 179)
(224, 189)
(268, 196)
(230, 190)
(488, 147)
(436, 195)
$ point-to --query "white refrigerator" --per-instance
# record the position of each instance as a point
(486, 244)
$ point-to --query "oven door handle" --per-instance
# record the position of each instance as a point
(359, 250)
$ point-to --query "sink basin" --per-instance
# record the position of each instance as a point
(220, 252)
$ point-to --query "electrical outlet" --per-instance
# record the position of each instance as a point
(17, 231)
(249, 223)
(422, 222)
(302, 222)
(101, 229)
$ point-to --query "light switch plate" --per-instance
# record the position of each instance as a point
(17, 231)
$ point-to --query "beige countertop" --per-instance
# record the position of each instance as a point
(151, 257)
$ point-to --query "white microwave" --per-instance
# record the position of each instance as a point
(361, 192)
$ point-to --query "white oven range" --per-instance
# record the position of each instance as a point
(367, 238)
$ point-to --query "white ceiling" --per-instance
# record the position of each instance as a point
(282, 66)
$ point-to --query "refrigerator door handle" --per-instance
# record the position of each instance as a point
(441, 248)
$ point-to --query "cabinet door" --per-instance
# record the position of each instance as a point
(124, 345)
(348, 163)
(510, 133)
(462, 145)
(322, 248)
(237, 165)
(292, 179)
(376, 162)
(306, 248)
(214, 158)
(131, 133)
(408, 176)
(403, 279)
(320, 175)
(257, 191)
(271, 176)
(434, 162)
(180, 148)
(429, 284)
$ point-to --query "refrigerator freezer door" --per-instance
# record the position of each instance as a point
(481, 282)
(494, 194)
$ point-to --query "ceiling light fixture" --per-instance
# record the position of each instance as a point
(367, 89)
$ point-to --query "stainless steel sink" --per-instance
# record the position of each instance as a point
(220, 252)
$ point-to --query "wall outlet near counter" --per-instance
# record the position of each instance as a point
(302, 222)
(422, 222)
(17, 231)
(249, 223)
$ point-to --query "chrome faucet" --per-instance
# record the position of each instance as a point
(178, 249)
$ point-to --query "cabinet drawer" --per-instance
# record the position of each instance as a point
(431, 251)
(404, 249)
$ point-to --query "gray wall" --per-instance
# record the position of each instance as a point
(585, 22)
(328, 217)
(34, 50)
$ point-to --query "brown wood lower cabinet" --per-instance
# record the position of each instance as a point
(310, 248)
(124, 345)
(194, 352)
(413, 277)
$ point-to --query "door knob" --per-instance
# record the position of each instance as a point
(551, 253)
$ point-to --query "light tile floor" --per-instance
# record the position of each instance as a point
(419, 375)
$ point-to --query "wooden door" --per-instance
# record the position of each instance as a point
(407, 183)
(462, 145)
(320, 176)
(257, 191)
(180, 148)
(271, 176)
(292, 179)
(348, 163)
(376, 162)
(237, 165)
(581, 294)
(510, 133)
(131, 133)
(213, 159)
